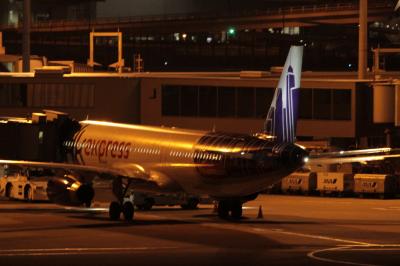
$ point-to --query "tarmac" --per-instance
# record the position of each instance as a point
(294, 230)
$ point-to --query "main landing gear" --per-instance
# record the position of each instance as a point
(125, 204)
(232, 207)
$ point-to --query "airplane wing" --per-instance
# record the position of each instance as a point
(353, 156)
(133, 172)
(144, 177)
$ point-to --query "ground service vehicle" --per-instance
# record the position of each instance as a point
(301, 183)
(23, 186)
(384, 186)
(335, 183)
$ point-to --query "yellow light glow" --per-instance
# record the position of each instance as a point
(144, 128)
(75, 186)
(184, 165)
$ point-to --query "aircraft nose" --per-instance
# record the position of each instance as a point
(294, 155)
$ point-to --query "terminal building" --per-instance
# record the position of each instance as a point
(337, 107)
(334, 107)
(204, 35)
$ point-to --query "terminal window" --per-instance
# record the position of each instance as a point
(322, 104)
(60, 95)
(212, 101)
(306, 104)
(245, 102)
(13, 95)
(325, 104)
(226, 102)
(208, 101)
(264, 98)
(341, 104)
(189, 100)
(171, 100)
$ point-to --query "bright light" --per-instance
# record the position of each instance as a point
(231, 31)
(209, 39)
(306, 159)
(184, 36)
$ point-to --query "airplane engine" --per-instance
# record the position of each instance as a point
(69, 191)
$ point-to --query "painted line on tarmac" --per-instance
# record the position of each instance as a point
(314, 254)
(328, 238)
(355, 246)
(387, 209)
(363, 248)
(75, 251)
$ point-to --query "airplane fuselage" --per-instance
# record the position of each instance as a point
(220, 164)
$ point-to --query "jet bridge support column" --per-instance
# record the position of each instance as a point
(2, 49)
(26, 41)
(362, 39)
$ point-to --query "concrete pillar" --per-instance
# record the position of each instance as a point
(363, 39)
(26, 40)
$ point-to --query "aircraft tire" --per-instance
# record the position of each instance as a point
(28, 193)
(8, 190)
(128, 211)
(223, 209)
(191, 204)
(148, 204)
(114, 211)
(236, 210)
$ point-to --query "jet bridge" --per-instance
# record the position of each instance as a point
(37, 137)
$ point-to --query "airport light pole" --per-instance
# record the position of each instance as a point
(26, 41)
(362, 39)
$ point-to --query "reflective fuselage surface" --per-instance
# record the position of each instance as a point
(199, 162)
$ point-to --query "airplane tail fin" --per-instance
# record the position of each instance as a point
(283, 112)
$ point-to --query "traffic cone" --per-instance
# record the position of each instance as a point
(260, 213)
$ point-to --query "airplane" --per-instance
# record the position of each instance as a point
(229, 167)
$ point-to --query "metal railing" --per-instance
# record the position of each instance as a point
(197, 16)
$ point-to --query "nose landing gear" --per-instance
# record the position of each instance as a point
(125, 203)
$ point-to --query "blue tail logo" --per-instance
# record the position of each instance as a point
(282, 116)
